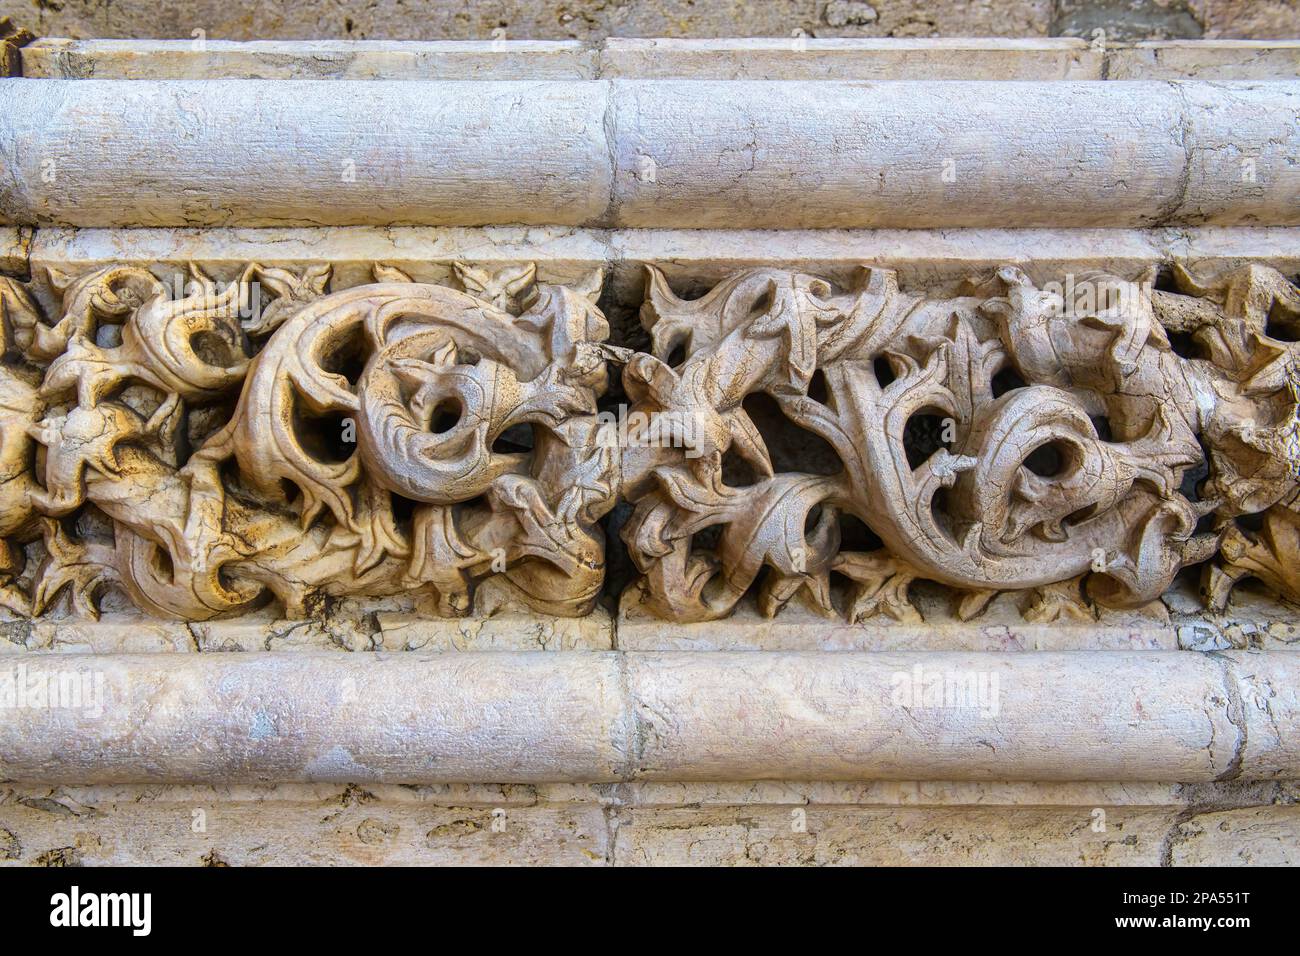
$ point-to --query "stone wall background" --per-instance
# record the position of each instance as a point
(596, 19)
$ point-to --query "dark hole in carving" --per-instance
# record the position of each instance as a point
(677, 356)
(1252, 523)
(1080, 516)
(1192, 481)
(762, 304)
(922, 437)
(705, 541)
(810, 520)
(855, 535)
(790, 447)
(163, 563)
(1185, 345)
(325, 437)
(817, 389)
(736, 471)
(1282, 324)
(1102, 424)
(1164, 281)
(467, 356)
(1007, 380)
(347, 357)
(403, 513)
(1047, 460)
(445, 416)
(939, 509)
(884, 371)
(514, 440)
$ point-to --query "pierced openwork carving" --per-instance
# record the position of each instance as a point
(204, 456)
(1000, 440)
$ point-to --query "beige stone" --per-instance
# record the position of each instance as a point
(601, 717)
(901, 154)
(201, 826)
(583, 19)
(411, 651)
(272, 60)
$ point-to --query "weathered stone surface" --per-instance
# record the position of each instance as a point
(1240, 60)
(956, 700)
(602, 717)
(593, 20)
(759, 824)
(342, 60)
(1040, 60)
(584, 19)
(680, 154)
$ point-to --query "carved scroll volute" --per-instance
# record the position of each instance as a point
(1075, 472)
(324, 444)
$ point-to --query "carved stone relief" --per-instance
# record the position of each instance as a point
(387, 438)
(208, 451)
(1068, 432)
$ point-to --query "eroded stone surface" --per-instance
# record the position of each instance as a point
(200, 826)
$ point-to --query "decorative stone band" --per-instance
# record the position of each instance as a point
(206, 447)
(648, 153)
(608, 717)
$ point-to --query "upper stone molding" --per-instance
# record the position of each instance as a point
(649, 153)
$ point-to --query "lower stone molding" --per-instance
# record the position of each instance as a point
(675, 716)
(789, 823)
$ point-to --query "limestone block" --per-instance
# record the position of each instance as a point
(780, 58)
(796, 58)
(322, 60)
(584, 19)
(1259, 836)
(839, 836)
(309, 154)
(831, 155)
(1223, 60)
(685, 716)
(681, 154)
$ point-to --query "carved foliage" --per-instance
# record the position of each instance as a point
(1068, 434)
(205, 456)
(387, 438)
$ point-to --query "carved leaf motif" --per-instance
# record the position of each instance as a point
(334, 472)
(1023, 491)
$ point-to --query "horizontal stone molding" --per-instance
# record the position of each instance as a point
(565, 254)
(788, 58)
(608, 717)
(649, 153)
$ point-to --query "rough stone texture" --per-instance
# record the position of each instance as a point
(551, 19)
(1040, 60)
(629, 825)
(607, 717)
(1121, 703)
(680, 154)
(342, 60)
(594, 19)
